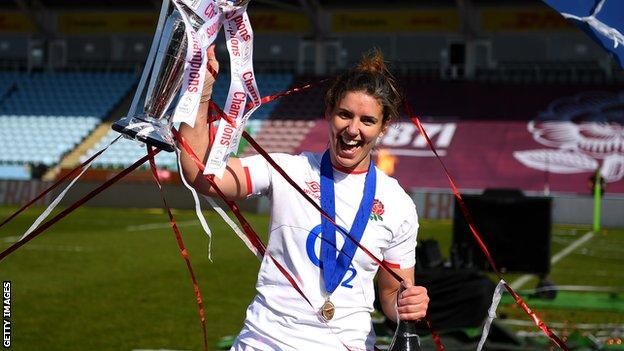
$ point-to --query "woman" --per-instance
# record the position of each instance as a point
(369, 205)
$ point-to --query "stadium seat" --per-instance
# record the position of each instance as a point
(47, 114)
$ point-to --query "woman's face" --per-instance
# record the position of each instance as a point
(355, 123)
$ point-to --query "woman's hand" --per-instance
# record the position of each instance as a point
(233, 183)
(412, 302)
(211, 74)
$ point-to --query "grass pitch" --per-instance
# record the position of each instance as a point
(114, 279)
(97, 280)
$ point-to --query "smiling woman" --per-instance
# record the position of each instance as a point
(355, 125)
(335, 277)
(360, 105)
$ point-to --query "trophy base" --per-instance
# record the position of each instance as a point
(151, 133)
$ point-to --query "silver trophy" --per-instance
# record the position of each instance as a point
(153, 124)
(230, 5)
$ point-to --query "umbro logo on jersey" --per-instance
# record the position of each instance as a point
(313, 189)
(314, 186)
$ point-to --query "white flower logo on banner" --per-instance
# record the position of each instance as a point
(586, 132)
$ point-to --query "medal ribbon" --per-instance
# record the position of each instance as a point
(334, 268)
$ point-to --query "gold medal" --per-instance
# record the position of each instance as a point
(327, 310)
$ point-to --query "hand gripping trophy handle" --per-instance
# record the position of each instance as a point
(405, 337)
(152, 125)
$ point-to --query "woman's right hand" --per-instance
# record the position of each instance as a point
(233, 183)
(211, 74)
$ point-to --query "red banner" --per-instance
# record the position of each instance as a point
(531, 156)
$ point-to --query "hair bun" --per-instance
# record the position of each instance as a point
(373, 62)
(371, 76)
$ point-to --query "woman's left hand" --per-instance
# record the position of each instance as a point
(413, 302)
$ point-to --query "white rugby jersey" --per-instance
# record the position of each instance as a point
(278, 318)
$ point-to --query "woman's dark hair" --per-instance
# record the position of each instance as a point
(372, 77)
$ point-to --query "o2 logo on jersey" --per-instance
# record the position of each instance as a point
(313, 236)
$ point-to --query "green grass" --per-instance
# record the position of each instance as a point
(599, 263)
(90, 283)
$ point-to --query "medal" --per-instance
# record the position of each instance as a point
(334, 268)
(327, 310)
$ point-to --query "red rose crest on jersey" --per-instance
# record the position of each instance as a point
(313, 189)
(377, 211)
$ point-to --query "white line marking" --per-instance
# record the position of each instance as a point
(563, 253)
(590, 326)
(36, 247)
(151, 226)
(516, 284)
(57, 248)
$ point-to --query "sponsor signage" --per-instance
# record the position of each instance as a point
(15, 22)
(391, 21)
(107, 22)
(534, 155)
(526, 19)
(283, 22)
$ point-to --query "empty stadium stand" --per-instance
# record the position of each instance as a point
(475, 100)
(280, 135)
(7, 83)
(124, 153)
(67, 94)
(306, 104)
(268, 84)
(274, 136)
(45, 115)
(507, 65)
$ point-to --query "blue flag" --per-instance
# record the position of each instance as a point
(603, 20)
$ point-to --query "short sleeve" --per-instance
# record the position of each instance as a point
(257, 174)
(401, 252)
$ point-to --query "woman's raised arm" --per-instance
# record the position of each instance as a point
(233, 183)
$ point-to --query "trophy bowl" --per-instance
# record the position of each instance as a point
(231, 5)
(153, 124)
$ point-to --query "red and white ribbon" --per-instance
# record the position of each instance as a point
(60, 197)
(198, 209)
(496, 297)
(239, 36)
(237, 230)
